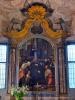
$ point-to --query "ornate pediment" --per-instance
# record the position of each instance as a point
(38, 21)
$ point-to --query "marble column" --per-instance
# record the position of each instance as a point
(12, 68)
(56, 71)
(17, 64)
(62, 74)
(13, 65)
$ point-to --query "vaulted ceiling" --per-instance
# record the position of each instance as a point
(11, 8)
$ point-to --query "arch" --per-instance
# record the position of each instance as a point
(37, 36)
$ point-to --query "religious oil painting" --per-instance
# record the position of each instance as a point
(36, 65)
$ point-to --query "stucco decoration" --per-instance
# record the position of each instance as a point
(36, 13)
(10, 9)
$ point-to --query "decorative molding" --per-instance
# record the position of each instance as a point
(53, 43)
(36, 13)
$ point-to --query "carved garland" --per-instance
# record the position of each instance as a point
(36, 13)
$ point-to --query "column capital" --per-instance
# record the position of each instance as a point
(13, 44)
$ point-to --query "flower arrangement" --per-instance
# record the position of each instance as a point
(19, 92)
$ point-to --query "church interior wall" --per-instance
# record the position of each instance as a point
(8, 20)
(63, 87)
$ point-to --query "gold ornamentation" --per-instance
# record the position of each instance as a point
(21, 34)
(37, 12)
(51, 33)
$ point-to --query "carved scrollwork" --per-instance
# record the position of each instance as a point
(37, 13)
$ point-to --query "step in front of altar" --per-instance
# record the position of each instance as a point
(48, 98)
(33, 95)
(41, 94)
